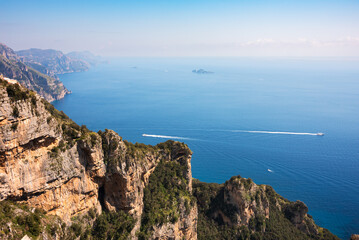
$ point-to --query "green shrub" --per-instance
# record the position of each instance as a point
(15, 93)
(33, 224)
(76, 228)
(14, 126)
(92, 213)
(15, 112)
(48, 120)
(113, 225)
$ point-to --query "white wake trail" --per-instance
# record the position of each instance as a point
(164, 136)
(269, 132)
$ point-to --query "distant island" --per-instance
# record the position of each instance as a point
(201, 71)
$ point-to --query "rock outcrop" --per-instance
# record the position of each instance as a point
(250, 202)
(239, 208)
(129, 167)
(37, 164)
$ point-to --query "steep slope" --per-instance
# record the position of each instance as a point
(52, 62)
(11, 67)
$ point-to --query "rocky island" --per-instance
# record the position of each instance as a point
(59, 180)
(201, 71)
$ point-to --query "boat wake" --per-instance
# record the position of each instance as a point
(290, 133)
(164, 136)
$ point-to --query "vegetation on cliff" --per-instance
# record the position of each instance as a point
(165, 193)
(211, 199)
(15, 92)
(113, 225)
(17, 220)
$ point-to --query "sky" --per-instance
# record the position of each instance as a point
(176, 28)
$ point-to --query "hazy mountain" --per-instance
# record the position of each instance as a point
(51, 61)
(11, 66)
(85, 56)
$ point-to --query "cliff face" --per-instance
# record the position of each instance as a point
(251, 202)
(38, 165)
(11, 67)
(49, 162)
(132, 170)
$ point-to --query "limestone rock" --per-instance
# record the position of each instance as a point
(60, 182)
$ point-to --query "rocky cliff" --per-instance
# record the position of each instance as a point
(241, 209)
(39, 163)
(59, 180)
(12, 67)
(49, 162)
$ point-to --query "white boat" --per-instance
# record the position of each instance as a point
(320, 134)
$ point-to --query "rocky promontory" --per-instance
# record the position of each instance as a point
(59, 180)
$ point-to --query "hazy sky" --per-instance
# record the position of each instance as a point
(184, 27)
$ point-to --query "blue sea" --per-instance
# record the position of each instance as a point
(217, 116)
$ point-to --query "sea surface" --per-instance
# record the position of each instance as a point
(234, 119)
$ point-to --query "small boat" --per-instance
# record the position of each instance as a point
(320, 134)
(269, 170)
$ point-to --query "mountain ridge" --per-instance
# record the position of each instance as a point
(53, 62)
(38, 69)
(12, 67)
